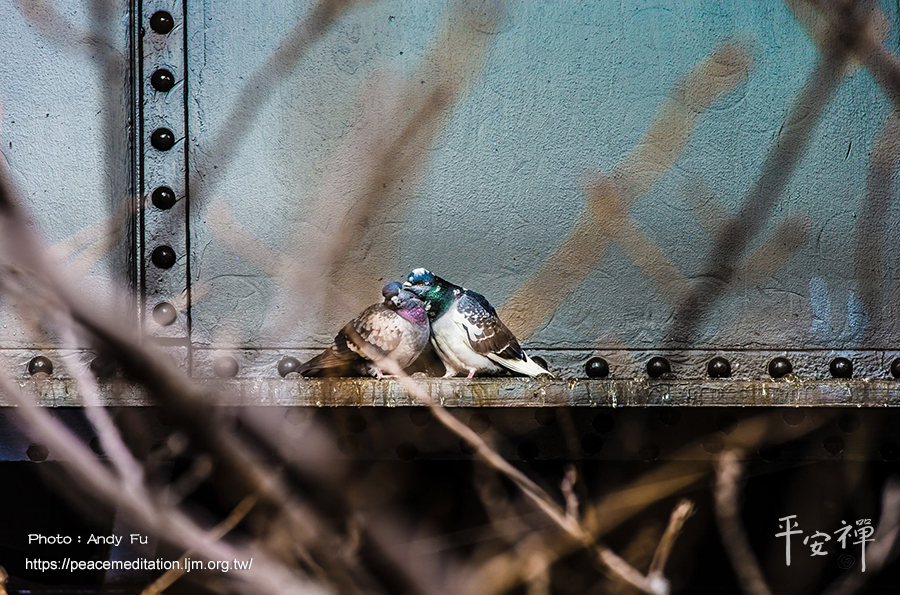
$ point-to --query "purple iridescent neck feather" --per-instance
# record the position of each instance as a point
(414, 313)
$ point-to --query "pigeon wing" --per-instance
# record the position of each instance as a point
(487, 333)
(491, 338)
(373, 334)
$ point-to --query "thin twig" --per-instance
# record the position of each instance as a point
(218, 532)
(567, 485)
(728, 475)
(682, 512)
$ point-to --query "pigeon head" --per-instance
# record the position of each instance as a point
(396, 296)
(391, 290)
(420, 281)
(437, 293)
(405, 303)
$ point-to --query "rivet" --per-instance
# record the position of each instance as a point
(225, 367)
(780, 367)
(895, 368)
(793, 417)
(841, 367)
(37, 452)
(771, 453)
(466, 447)
(164, 314)
(162, 80)
(407, 451)
(103, 367)
(163, 257)
(286, 365)
(603, 423)
(164, 198)
(833, 445)
(479, 423)
(162, 139)
(718, 367)
(849, 423)
(420, 416)
(596, 367)
(591, 444)
(726, 423)
(161, 22)
(297, 415)
(528, 451)
(40, 365)
(649, 453)
(355, 423)
(657, 366)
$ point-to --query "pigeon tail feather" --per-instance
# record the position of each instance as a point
(528, 366)
(327, 360)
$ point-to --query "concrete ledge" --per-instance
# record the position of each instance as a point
(499, 392)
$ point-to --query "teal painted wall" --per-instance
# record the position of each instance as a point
(465, 137)
(554, 93)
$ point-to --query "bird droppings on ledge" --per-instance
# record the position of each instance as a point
(499, 392)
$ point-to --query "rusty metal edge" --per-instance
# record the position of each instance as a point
(497, 392)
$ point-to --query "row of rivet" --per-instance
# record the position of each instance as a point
(163, 139)
(603, 424)
(592, 442)
(719, 367)
(529, 451)
(596, 367)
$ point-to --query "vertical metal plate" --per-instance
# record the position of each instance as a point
(165, 286)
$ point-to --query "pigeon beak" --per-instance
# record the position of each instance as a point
(407, 284)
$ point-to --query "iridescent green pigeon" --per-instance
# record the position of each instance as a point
(466, 332)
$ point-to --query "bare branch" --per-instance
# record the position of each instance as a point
(728, 474)
(682, 512)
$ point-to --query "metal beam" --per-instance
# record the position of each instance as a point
(498, 392)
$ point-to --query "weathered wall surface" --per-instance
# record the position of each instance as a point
(615, 177)
(546, 98)
(66, 138)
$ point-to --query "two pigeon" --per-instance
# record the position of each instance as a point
(463, 327)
